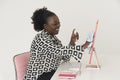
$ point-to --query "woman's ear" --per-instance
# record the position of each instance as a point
(45, 26)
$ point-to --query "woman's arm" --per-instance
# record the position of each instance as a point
(74, 50)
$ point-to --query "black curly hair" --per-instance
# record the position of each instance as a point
(40, 17)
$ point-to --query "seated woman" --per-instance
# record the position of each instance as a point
(46, 49)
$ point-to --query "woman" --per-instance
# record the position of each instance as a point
(47, 52)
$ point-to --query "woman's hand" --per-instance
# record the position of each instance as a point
(74, 37)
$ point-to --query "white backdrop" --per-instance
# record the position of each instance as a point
(16, 30)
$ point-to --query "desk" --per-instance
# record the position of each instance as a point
(110, 69)
(63, 67)
(82, 75)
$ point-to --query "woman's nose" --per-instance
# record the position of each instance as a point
(58, 26)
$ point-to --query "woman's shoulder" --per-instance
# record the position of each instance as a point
(37, 36)
(42, 35)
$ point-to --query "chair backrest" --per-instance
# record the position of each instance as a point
(20, 62)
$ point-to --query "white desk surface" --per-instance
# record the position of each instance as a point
(109, 70)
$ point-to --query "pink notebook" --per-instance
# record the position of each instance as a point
(71, 76)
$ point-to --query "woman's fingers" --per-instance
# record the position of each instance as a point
(77, 35)
(73, 31)
(73, 35)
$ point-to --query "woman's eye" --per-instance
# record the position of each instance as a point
(54, 24)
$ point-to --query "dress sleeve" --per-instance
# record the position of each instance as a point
(72, 51)
(66, 51)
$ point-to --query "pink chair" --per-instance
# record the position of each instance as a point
(20, 62)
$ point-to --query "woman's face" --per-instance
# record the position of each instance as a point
(53, 25)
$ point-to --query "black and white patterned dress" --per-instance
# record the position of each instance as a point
(47, 53)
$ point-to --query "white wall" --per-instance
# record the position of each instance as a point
(16, 30)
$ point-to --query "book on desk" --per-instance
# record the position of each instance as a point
(69, 74)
